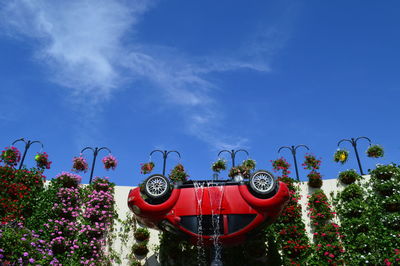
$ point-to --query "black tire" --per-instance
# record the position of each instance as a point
(262, 183)
(156, 186)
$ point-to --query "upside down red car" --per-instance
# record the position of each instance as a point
(199, 210)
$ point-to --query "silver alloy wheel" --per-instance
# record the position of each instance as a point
(262, 182)
(156, 186)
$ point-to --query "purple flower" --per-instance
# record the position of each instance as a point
(31, 260)
(26, 254)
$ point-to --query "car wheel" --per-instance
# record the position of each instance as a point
(262, 183)
(156, 186)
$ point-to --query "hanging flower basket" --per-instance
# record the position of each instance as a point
(146, 168)
(110, 162)
(314, 179)
(142, 234)
(311, 162)
(341, 156)
(79, 164)
(10, 156)
(375, 151)
(178, 173)
(68, 179)
(239, 170)
(280, 164)
(42, 161)
(140, 249)
(249, 164)
(349, 177)
(219, 166)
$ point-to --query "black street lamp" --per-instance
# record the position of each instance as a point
(165, 155)
(95, 153)
(233, 154)
(293, 149)
(353, 142)
(28, 144)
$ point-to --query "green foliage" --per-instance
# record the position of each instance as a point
(178, 173)
(219, 165)
(349, 176)
(21, 245)
(370, 226)
(327, 235)
(375, 151)
(141, 234)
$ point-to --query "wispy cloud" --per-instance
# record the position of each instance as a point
(83, 44)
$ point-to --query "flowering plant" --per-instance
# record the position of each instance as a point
(68, 179)
(281, 164)
(327, 236)
(146, 168)
(375, 151)
(178, 173)
(239, 170)
(249, 164)
(314, 179)
(79, 164)
(341, 156)
(219, 165)
(311, 162)
(42, 160)
(10, 156)
(349, 177)
(110, 162)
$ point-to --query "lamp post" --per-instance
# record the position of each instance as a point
(28, 144)
(293, 149)
(233, 154)
(353, 142)
(165, 155)
(95, 151)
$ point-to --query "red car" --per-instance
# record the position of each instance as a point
(199, 210)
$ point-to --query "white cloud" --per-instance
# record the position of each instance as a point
(82, 42)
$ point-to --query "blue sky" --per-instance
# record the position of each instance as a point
(198, 77)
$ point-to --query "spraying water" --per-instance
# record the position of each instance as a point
(199, 191)
(216, 195)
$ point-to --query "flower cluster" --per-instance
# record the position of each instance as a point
(10, 156)
(67, 179)
(79, 164)
(146, 168)
(178, 173)
(17, 189)
(281, 165)
(341, 156)
(311, 162)
(21, 246)
(42, 160)
(98, 216)
(219, 165)
(243, 170)
(375, 151)
(327, 236)
(291, 238)
(110, 162)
